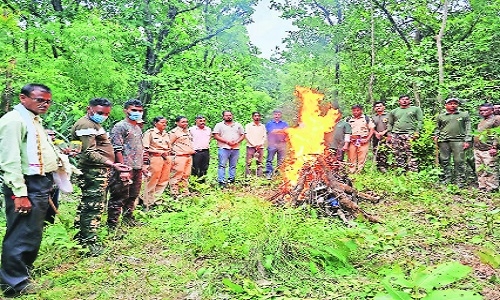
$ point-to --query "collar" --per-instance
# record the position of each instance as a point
(156, 130)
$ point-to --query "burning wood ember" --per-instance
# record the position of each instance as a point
(323, 185)
(313, 176)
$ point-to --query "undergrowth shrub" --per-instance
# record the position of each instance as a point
(262, 239)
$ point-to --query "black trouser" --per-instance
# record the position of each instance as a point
(50, 217)
(201, 159)
(24, 232)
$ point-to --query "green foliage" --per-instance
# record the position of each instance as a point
(424, 147)
(489, 256)
(424, 281)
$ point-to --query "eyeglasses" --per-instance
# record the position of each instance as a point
(41, 100)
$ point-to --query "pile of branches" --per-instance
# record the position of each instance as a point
(324, 185)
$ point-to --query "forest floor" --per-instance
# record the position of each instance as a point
(234, 244)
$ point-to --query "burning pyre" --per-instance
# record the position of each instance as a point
(312, 175)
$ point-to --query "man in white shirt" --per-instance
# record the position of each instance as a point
(229, 135)
(255, 134)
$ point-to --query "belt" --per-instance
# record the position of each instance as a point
(154, 154)
(182, 155)
(200, 150)
(358, 137)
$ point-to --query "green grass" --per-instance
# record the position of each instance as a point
(233, 244)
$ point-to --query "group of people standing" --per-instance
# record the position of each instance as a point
(118, 164)
(397, 131)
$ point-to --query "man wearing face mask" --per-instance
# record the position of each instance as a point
(96, 159)
(124, 187)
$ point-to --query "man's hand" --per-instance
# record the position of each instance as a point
(125, 176)
(121, 167)
(145, 171)
(22, 205)
(466, 145)
(493, 151)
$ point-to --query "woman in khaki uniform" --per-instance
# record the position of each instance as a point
(157, 146)
(182, 149)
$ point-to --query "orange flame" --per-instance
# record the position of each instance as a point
(307, 139)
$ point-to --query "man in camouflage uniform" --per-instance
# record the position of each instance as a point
(486, 149)
(453, 135)
(124, 187)
(405, 123)
(379, 141)
(96, 158)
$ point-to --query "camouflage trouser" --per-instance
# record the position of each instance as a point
(446, 149)
(403, 154)
(486, 169)
(93, 183)
(380, 150)
(122, 196)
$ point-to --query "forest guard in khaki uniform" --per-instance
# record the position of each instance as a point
(124, 187)
(96, 159)
(453, 136)
(182, 160)
(379, 140)
(405, 123)
(157, 146)
(486, 150)
(362, 131)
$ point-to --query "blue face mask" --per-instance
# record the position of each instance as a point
(135, 115)
(98, 118)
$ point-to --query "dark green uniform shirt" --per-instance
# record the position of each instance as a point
(453, 127)
(340, 130)
(380, 121)
(405, 120)
(96, 147)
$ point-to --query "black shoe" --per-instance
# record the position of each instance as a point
(30, 289)
(222, 185)
(130, 222)
(95, 250)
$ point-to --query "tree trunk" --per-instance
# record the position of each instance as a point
(372, 73)
(8, 92)
(145, 93)
(439, 45)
